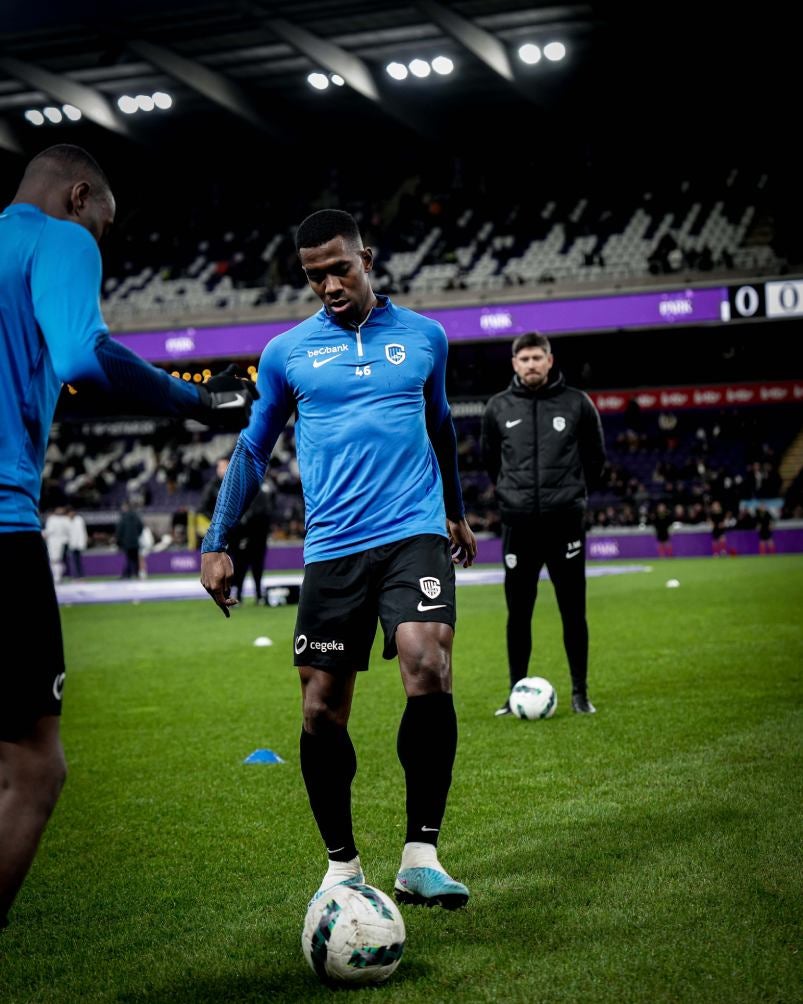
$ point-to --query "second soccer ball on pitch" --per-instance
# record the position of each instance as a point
(353, 934)
(534, 697)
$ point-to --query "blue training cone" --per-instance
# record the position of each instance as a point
(263, 756)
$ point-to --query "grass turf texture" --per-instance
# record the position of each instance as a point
(648, 853)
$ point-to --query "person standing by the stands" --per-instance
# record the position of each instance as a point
(542, 446)
(764, 524)
(662, 521)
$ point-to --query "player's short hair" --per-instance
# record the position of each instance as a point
(531, 340)
(324, 226)
(68, 163)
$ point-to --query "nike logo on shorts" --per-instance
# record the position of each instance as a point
(572, 554)
(509, 425)
(429, 606)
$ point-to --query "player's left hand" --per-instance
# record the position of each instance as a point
(217, 572)
(462, 541)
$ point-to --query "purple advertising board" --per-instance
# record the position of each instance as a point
(602, 547)
(551, 317)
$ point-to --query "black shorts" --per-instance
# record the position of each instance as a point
(341, 599)
(32, 681)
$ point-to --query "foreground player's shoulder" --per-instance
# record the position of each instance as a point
(427, 326)
(63, 236)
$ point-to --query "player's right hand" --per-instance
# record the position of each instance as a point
(226, 400)
(217, 572)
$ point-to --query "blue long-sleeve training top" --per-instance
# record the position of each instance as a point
(373, 432)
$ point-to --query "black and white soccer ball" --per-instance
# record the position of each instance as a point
(533, 697)
(353, 934)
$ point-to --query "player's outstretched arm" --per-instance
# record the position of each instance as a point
(65, 283)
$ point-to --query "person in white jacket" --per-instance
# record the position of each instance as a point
(57, 538)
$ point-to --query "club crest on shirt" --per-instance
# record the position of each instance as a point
(395, 353)
(430, 586)
(559, 423)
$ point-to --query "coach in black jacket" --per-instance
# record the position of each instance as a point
(542, 445)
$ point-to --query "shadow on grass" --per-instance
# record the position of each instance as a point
(291, 985)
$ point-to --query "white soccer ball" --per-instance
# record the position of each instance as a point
(353, 934)
(533, 697)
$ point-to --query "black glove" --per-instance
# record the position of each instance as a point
(226, 400)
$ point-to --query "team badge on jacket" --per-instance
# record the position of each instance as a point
(430, 586)
(559, 423)
(395, 353)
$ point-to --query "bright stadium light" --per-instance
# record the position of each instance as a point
(397, 70)
(442, 65)
(72, 113)
(145, 102)
(162, 101)
(53, 114)
(35, 117)
(318, 80)
(555, 51)
(337, 80)
(420, 68)
(127, 104)
(529, 53)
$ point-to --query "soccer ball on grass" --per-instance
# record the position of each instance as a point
(353, 934)
(533, 697)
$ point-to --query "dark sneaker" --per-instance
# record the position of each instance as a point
(504, 710)
(582, 706)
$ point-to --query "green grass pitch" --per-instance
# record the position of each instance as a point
(649, 853)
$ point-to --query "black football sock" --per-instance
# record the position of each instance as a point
(426, 745)
(328, 765)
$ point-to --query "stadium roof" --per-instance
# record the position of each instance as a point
(669, 74)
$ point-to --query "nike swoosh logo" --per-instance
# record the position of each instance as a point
(322, 362)
(237, 402)
(430, 829)
(509, 425)
(572, 554)
(422, 607)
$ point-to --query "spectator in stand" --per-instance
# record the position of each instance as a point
(662, 521)
(764, 525)
(77, 544)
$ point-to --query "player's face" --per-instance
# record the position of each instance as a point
(338, 274)
(532, 366)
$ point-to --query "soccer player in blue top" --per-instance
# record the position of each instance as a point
(52, 332)
(378, 460)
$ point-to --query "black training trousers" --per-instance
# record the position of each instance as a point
(556, 540)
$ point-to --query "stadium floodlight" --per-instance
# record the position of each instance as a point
(127, 104)
(555, 51)
(529, 53)
(397, 70)
(420, 68)
(145, 102)
(442, 65)
(72, 113)
(337, 80)
(52, 114)
(318, 80)
(162, 100)
(35, 117)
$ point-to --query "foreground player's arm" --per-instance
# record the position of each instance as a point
(440, 429)
(245, 473)
(65, 285)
